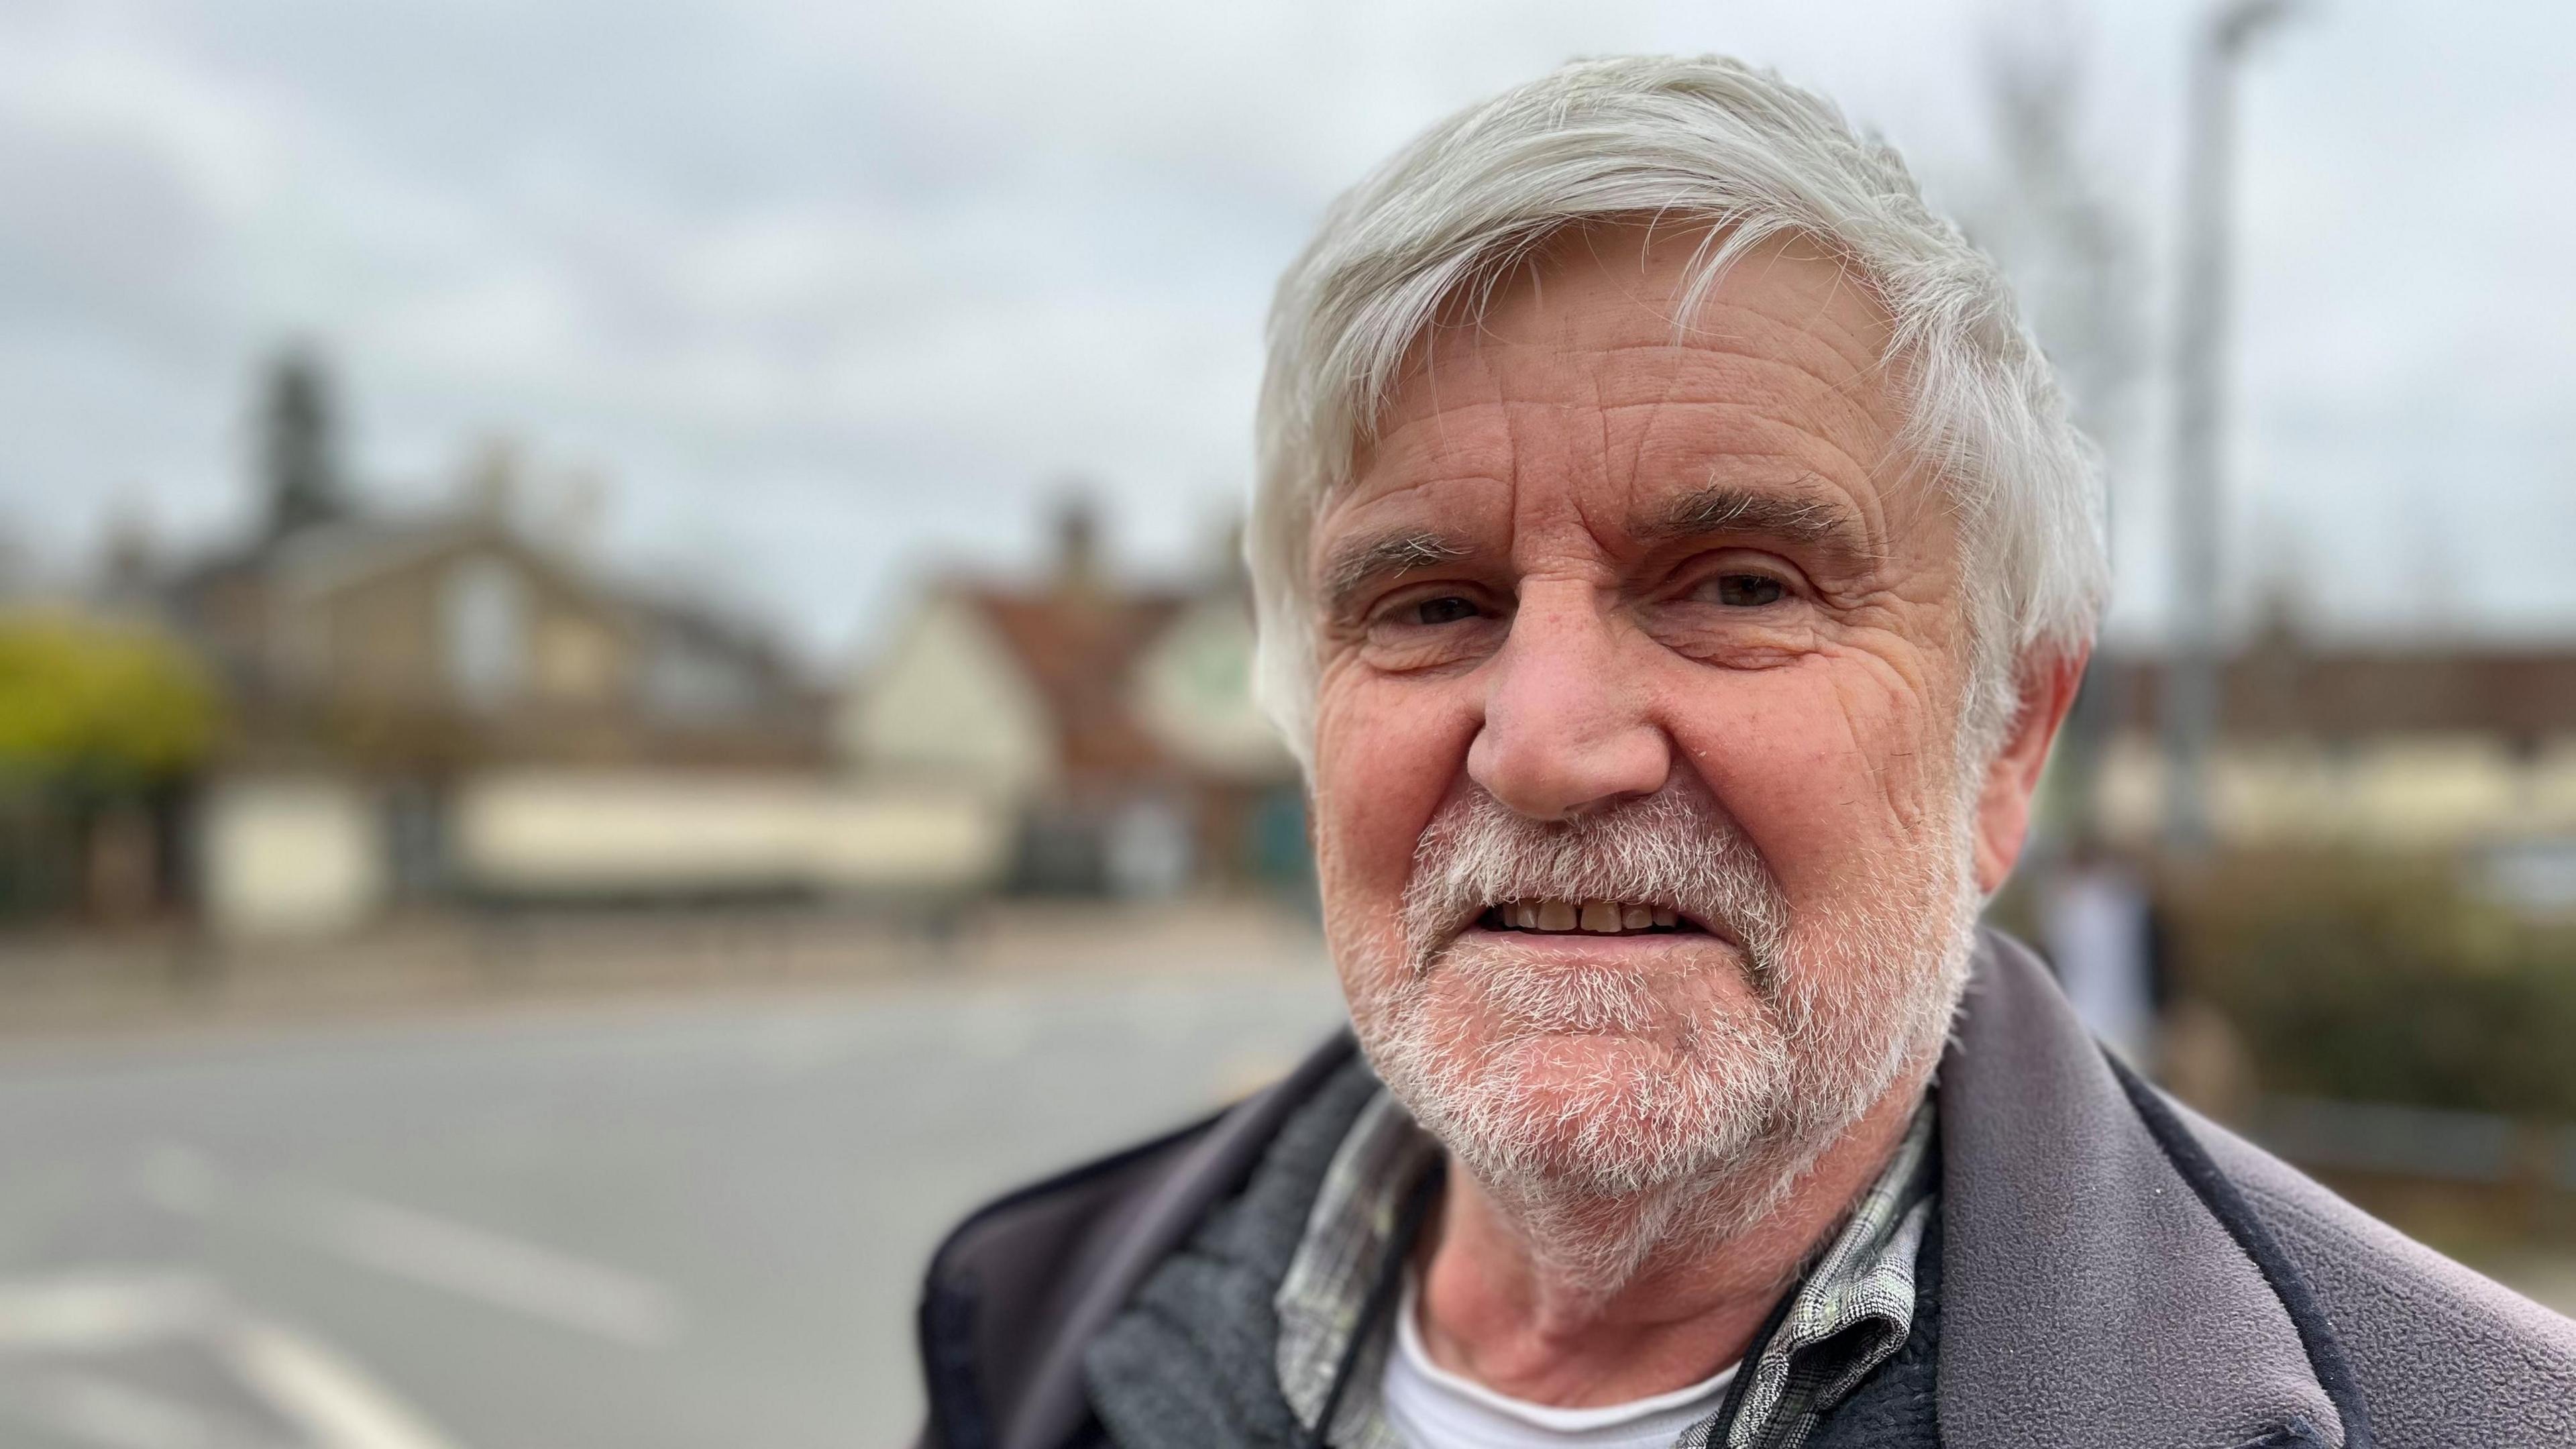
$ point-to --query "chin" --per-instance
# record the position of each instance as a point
(1582, 1076)
(1592, 1112)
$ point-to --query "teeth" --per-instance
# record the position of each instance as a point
(1600, 918)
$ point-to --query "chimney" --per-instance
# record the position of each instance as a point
(1077, 545)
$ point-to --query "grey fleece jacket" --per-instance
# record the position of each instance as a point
(2116, 1273)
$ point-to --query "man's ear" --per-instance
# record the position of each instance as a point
(2047, 691)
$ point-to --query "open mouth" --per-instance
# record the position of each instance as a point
(1586, 918)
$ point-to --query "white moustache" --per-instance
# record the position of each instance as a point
(1674, 850)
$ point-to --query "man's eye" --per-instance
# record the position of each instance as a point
(1447, 609)
(1745, 591)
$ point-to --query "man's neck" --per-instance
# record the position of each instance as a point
(1498, 1309)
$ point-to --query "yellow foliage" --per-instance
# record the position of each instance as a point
(86, 695)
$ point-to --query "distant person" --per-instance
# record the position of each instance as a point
(2098, 924)
(1673, 563)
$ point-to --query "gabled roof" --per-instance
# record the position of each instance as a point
(238, 604)
(1078, 648)
(332, 556)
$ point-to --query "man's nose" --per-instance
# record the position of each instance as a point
(1566, 728)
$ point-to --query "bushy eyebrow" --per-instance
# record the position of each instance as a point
(1807, 522)
(1825, 528)
(1361, 564)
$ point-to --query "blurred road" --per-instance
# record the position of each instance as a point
(624, 1225)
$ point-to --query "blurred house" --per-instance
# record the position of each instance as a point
(445, 706)
(424, 644)
(399, 685)
(2451, 747)
(1113, 722)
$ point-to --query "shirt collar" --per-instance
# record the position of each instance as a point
(1851, 1310)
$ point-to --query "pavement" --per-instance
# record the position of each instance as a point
(64, 982)
(682, 1221)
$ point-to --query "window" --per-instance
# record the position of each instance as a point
(483, 611)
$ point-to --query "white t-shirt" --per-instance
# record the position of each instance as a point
(1432, 1408)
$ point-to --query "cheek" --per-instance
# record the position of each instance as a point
(1386, 755)
(1824, 764)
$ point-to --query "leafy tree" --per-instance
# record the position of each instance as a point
(98, 702)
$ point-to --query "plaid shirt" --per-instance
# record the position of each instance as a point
(1849, 1313)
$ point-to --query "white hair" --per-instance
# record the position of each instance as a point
(1743, 155)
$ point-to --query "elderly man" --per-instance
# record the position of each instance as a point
(1673, 562)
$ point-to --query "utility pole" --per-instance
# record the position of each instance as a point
(2190, 703)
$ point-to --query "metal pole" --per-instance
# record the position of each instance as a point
(2190, 704)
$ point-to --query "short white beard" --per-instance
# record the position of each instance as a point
(1645, 1162)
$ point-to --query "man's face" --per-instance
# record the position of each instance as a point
(1638, 805)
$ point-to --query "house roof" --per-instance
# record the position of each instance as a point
(1078, 647)
(234, 603)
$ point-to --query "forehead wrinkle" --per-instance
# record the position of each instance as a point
(1768, 365)
(1710, 373)
(1810, 455)
(1800, 394)
(1773, 314)
(1860, 342)
(1645, 436)
(1770, 446)
(1867, 363)
(1776, 390)
(1759, 446)
(1758, 338)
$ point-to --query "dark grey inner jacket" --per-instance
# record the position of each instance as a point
(2116, 1273)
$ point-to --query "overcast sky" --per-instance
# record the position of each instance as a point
(833, 293)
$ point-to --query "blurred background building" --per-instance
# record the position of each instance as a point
(1111, 724)
(2467, 749)
(369, 711)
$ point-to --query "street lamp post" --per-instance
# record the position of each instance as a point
(2190, 703)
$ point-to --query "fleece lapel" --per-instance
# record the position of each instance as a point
(2088, 1296)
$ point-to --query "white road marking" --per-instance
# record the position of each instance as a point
(329, 1397)
(476, 1262)
(502, 1271)
(101, 1311)
(308, 1383)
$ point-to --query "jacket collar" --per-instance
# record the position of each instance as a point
(2089, 1296)
(1171, 1207)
